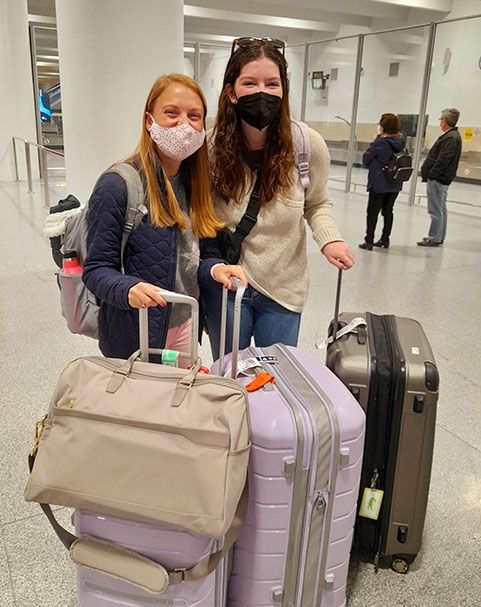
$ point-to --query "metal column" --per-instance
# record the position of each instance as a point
(355, 103)
(197, 62)
(422, 112)
(304, 82)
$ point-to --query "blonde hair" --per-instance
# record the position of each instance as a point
(164, 208)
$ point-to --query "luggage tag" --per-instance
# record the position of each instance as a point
(252, 366)
(371, 503)
(351, 327)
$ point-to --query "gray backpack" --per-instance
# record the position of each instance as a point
(80, 307)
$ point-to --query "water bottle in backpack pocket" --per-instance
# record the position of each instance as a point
(79, 306)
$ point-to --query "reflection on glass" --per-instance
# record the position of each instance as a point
(329, 98)
(455, 78)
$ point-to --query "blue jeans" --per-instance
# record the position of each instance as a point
(437, 194)
(261, 318)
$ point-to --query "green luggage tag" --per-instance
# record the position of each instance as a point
(170, 357)
(371, 503)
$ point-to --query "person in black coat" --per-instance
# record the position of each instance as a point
(439, 170)
(382, 193)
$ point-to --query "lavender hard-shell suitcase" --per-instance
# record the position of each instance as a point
(307, 436)
(172, 547)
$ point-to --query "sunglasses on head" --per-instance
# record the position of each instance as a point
(248, 41)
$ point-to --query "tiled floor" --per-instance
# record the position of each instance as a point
(439, 287)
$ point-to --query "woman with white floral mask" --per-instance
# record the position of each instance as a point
(164, 251)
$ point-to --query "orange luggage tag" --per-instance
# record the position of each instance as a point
(260, 381)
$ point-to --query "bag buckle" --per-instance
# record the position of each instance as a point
(182, 571)
(39, 426)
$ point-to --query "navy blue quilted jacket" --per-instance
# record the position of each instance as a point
(376, 157)
(150, 256)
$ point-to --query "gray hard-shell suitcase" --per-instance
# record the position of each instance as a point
(387, 363)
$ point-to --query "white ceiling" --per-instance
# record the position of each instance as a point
(218, 21)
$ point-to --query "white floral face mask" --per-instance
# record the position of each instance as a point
(176, 142)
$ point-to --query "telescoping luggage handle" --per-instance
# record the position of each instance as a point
(337, 331)
(239, 289)
(177, 298)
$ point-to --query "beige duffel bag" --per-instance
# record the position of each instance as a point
(144, 441)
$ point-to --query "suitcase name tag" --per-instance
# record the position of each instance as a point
(349, 328)
(371, 503)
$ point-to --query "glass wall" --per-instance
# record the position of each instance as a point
(329, 98)
(392, 73)
(393, 65)
(456, 82)
(213, 60)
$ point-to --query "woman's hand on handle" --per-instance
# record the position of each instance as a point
(222, 273)
(339, 254)
(145, 295)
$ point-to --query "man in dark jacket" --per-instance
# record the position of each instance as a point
(439, 169)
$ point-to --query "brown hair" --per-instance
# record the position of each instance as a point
(163, 206)
(390, 124)
(230, 175)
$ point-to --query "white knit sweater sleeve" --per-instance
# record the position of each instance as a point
(318, 204)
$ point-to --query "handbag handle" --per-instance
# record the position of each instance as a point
(170, 297)
(240, 289)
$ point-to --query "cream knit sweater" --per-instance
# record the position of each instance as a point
(274, 254)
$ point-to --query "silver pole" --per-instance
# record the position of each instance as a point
(422, 113)
(15, 159)
(197, 62)
(355, 103)
(43, 165)
(304, 81)
(29, 167)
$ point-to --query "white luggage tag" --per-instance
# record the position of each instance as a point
(351, 327)
(371, 503)
(253, 366)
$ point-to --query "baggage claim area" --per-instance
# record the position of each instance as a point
(376, 430)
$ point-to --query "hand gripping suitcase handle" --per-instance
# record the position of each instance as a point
(177, 298)
(240, 289)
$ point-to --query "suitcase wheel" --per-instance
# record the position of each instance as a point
(399, 565)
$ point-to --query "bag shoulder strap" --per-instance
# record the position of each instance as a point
(249, 219)
(136, 209)
(112, 559)
(302, 150)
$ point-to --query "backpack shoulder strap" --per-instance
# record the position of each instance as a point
(302, 150)
(136, 209)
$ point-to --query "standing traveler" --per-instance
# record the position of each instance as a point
(438, 170)
(382, 191)
(252, 150)
(162, 252)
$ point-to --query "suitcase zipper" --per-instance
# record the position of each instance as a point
(318, 545)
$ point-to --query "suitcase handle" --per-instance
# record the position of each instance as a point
(170, 297)
(240, 289)
(335, 323)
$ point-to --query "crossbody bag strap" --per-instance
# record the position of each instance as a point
(249, 219)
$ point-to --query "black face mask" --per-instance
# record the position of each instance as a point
(259, 109)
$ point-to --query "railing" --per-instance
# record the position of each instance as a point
(43, 165)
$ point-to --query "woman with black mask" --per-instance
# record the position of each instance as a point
(252, 149)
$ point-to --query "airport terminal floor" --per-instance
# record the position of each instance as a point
(440, 287)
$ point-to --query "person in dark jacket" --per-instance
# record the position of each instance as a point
(165, 249)
(438, 170)
(382, 193)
